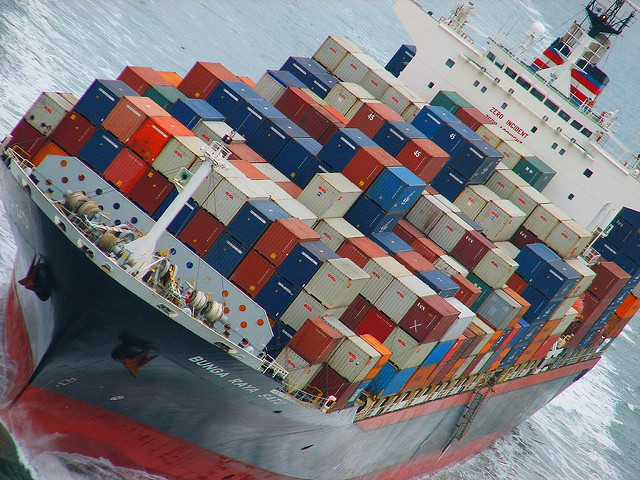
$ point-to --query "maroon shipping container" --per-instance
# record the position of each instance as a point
(427, 249)
(201, 232)
(414, 261)
(370, 118)
(610, 279)
(406, 231)
(315, 341)
(473, 365)
(360, 250)
(203, 78)
(242, 151)
(150, 191)
(72, 132)
(467, 346)
(523, 237)
(129, 114)
(293, 102)
(471, 248)
(330, 131)
(152, 136)
(517, 283)
(376, 324)
(125, 170)
(437, 378)
(253, 272)
(473, 118)
(579, 334)
(355, 312)
(425, 314)
(592, 308)
(282, 236)
(366, 165)
(26, 140)
(423, 157)
(316, 121)
(141, 78)
(329, 382)
(469, 292)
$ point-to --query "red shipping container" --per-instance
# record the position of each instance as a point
(471, 248)
(73, 132)
(469, 292)
(360, 250)
(425, 314)
(629, 307)
(517, 283)
(203, 77)
(26, 140)
(291, 188)
(473, 118)
(473, 364)
(248, 169)
(423, 157)
(406, 231)
(523, 237)
(427, 249)
(449, 369)
(129, 114)
(454, 370)
(149, 140)
(253, 272)
(497, 334)
(430, 190)
(315, 341)
(150, 190)
(201, 232)
(242, 151)
(444, 365)
(514, 331)
(293, 102)
(376, 324)
(467, 345)
(282, 236)
(545, 347)
(529, 352)
(592, 308)
(366, 165)
(419, 378)
(141, 78)
(414, 261)
(610, 280)
(125, 170)
(48, 148)
(338, 116)
(355, 312)
(370, 118)
(316, 121)
(437, 330)
(329, 382)
(456, 346)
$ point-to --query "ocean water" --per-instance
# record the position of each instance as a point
(588, 432)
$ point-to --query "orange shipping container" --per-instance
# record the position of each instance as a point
(149, 140)
(49, 148)
(419, 378)
(384, 352)
(496, 363)
(614, 326)
(546, 330)
(248, 169)
(125, 170)
(529, 352)
(518, 298)
(141, 78)
(129, 114)
(172, 77)
(491, 341)
(291, 188)
(242, 151)
(454, 369)
(629, 306)
(250, 83)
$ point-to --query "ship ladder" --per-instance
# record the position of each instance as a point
(465, 420)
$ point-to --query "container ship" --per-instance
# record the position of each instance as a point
(341, 271)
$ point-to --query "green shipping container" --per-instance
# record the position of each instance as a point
(535, 172)
(164, 96)
(449, 100)
(486, 290)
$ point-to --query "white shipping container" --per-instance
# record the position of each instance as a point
(211, 131)
(513, 151)
(354, 358)
(568, 319)
(305, 306)
(294, 208)
(493, 134)
(271, 172)
(636, 291)
(462, 322)
(269, 88)
(273, 190)
(568, 238)
(211, 182)
(291, 360)
(398, 98)
(499, 309)
(586, 276)
(401, 294)
(230, 195)
(337, 282)
(500, 219)
(376, 81)
(334, 231)
(485, 358)
(406, 352)
(474, 198)
(179, 152)
(426, 212)
(300, 377)
(412, 110)
(344, 95)
(504, 181)
(450, 266)
(48, 110)
(337, 324)
(382, 270)
(527, 198)
(447, 203)
(495, 268)
(448, 231)
(488, 333)
(354, 66)
(333, 50)
(329, 195)
(563, 308)
(544, 219)
(508, 248)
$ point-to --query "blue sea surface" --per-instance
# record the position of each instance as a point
(588, 432)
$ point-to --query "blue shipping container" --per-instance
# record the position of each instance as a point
(190, 111)
(395, 134)
(225, 254)
(512, 356)
(395, 189)
(295, 156)
(450, 135)
(282, 334)
(273, 135)
(100, 98)
(304, 261)
(368, 217)
(391, 242)
(400, 59)
(449, 183)
(354, 396)
(438, 353)
(524, 325)
(185, 214)
(528, 333)
(229, 95)
(276, 296)
(632, 217)
(313, 166)
(430, 120)
(541, 307)
(286, 78)
(100, 150)
(248, 117)
(253, 219)
(473, 163)
(342, 146)
(439, 282)
(554, 278)
(311, 73)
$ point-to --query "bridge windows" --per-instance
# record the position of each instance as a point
(577, 125)
(449, 63)
(537, 94)
(564, 115)
(510, 73)
(586, 132)
(587, 173)
(551, 106)
(523, 83)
